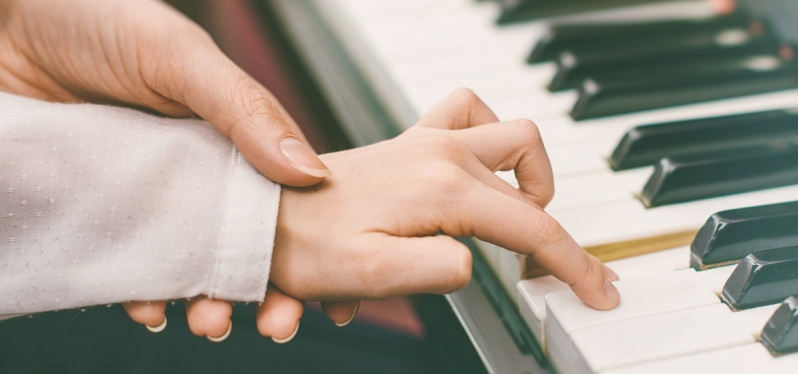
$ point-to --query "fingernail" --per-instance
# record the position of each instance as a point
(159, 328)
(224, 336)
(354, 313)
(612, 293)
(611, 274)
(288, 339)
(302, 158)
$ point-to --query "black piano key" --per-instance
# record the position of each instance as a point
(681, 84)
(617, 37)
(646, 145)
(780, 334)
(573, 67)
(763, 278)
(526, 10)
(676, 180)
(730, 235)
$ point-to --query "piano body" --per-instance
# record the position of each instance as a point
(646, 146)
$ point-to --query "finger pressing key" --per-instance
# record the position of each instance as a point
(501, 219)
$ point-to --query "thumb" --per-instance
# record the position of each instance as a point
(217, 90)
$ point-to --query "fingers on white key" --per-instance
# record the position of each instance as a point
(461, 109)
(501, 219)
(278, 316)
(514, 145)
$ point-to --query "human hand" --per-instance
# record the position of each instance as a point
(145, 54)
(372, 229)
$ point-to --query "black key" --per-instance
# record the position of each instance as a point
(574, 67)
(763, 278)
(646, 145)
(676, 180)
(681, 84)
(730, 235)
(780, 334)
(526, 10)
(617, 37)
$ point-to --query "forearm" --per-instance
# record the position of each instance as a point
(102, 205)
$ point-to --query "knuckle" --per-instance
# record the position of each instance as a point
(443, 179)
(466, 96)
(461, 273)
(548, 229)
(528, 130)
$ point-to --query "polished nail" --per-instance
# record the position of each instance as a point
(612, 293)
(224, 336)
(289, 338)
(159, 328)
(354, 313)
(302, 158)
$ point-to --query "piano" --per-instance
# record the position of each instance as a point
(657, 150)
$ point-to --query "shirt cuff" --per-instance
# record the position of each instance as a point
(243, 261)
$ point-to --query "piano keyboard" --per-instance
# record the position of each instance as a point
(417, 51)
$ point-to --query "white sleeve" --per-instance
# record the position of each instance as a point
(102, 204)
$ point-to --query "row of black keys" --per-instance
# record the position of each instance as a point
(623, 68)
(711, 157)
(764, 240)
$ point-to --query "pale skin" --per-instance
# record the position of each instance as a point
(391, 206)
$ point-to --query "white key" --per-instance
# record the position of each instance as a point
(592, 225)
(744, 359)
(640, 297)
(532, 292)
(666, 335)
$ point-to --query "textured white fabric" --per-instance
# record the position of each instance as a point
(102, 204)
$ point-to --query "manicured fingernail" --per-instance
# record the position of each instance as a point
(354, 313)
(302, 158)
(289, 338)
(159, 328)
(611, 274)
(224, 336)
(612, 293)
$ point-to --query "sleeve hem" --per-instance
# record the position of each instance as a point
(241, 271)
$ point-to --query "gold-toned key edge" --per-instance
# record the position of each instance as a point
(620, 250)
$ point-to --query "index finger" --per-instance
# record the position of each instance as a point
(503, 220)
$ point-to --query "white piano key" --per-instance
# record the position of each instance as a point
(532, 292)
(605, 188)
(629, 220)
(509, 273)
(744, 359)
(660, 262)
(640, 297)
(665, 335)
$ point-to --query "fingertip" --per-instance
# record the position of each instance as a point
(341, 312)
(278, 316)
(208, 317)
(613, 297)
(158, 328)
(148, 313)
(288, 338)
(611, 274)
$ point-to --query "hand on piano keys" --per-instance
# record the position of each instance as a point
(731, 94)
(438, 177)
